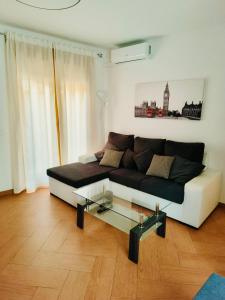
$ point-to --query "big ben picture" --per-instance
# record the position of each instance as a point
(175, 99)
(166, 97)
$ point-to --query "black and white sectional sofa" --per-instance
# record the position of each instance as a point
(192, 201)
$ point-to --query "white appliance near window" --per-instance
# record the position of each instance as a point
(131, 53)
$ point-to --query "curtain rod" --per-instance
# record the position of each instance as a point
(99, 54)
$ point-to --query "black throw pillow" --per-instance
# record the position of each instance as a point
(128, 160)
(143, 160)
(184, 170)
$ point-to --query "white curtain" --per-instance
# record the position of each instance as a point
(75, 82)
(32, 111)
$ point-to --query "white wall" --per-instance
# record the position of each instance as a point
(199, 54)
(5, 168)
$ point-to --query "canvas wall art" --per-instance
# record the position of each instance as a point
(175, 99)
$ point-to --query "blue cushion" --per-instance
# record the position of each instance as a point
(213, 289)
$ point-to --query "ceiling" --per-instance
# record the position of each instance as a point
(112, 22)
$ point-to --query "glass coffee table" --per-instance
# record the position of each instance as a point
(116, 206)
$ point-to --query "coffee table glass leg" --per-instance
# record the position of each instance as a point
(80, 215)
(161, 230)
(134, 246)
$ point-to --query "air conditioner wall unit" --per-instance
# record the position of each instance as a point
(130, 53)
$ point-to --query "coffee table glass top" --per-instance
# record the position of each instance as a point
(115, 206)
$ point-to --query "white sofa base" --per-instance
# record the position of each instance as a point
(201, 196)
(62, 191)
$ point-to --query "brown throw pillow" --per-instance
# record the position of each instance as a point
(160, 166)
(111, 158)
(118, 142)
(99, 155)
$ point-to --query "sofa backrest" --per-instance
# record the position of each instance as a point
(190, 151)
(121, 141)
(155, 145)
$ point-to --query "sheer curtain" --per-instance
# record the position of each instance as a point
(32, 111)
(75, 82)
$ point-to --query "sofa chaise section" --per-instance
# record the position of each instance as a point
(64, 180)
(79, 174)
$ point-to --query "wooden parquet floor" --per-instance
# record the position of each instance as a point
(44, 256)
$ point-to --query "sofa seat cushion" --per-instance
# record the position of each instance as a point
(78, 174)
(130, 178)
(163, 188)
